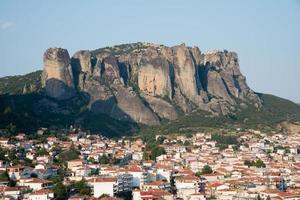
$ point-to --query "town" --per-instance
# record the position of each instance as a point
(198, 166)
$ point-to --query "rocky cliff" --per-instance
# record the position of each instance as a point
(144, 82)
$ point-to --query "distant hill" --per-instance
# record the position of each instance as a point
(21, 84)
(139, 87)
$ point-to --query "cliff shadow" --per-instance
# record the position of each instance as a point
(110, 107)
(58, 89)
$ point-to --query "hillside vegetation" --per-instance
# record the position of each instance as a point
(273, 111)
(28, 112)
(16, 84)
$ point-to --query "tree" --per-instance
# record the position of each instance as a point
(146, 155)
(198, 173)
(104, 159)
(268, 198)
(260, 164)
(258, 197)
(4, 176)
(12, 183)
(207, 170)
(70, 154)
(81, 187)
(157, 151)
(60, 191)
(42, 152)
(248, 163)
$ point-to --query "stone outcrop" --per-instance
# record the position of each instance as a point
(57, 75)
(145, 82)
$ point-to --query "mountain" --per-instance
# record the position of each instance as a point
(139, 85)
(144, 82)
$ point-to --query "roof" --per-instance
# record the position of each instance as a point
(154, 193)
(104, 179)
(42, 192)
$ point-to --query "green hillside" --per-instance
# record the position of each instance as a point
(273, 111)
(16, 84)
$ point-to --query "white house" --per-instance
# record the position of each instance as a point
(103, 186)
(43, 194)
(36, 183)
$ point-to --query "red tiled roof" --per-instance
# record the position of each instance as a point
(42, 192)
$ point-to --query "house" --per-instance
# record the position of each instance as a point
(83, 171)
(14, 192)
(213, 187)
(197, 196)
(105, 185)
(45, 173)
(14, 172)
(163, 172)
(186, 186)
(20, 136)
(140, 177)
(36, 183)
(124, 183)
(226, 194)
(155, 185)
(213, 177)
(151, 194)
(73, 137)
(4, 142)
(42, 194)
(75, 163)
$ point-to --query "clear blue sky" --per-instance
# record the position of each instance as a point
(265, 34)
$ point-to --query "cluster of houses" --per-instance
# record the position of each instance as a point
(176, 174)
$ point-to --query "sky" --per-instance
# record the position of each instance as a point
(265, 34)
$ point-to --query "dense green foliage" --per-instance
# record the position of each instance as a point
(81, 187)
(153, 150)
(224, 140)
(71, 154)
(60, 191)
(104, 159)
(205, 170)
(258, 163)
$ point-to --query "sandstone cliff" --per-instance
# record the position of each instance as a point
(145, 82)
(57, 75)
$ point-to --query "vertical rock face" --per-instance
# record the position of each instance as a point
(154, 75)
(145, 82)
(226, 65)
(82, 61)
(57, 75)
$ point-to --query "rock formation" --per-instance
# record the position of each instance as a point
(145, 82)
(57, 75)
